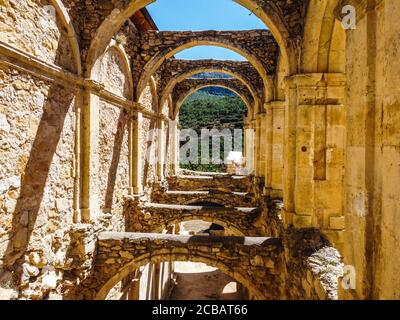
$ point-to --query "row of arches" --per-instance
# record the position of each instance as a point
(106, 63)
(322, 49)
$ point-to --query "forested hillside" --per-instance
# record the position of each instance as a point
(209, 108)
(212, 107)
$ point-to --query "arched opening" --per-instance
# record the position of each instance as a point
(188, 281)
(207, 114)
(215, 72)
(193, 279)
(156, 61)
(120, 15)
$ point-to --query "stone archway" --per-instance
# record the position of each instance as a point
(254, 262)
(156, 217)
(324, 39)
(186, 88)
(282, 18)
(175, 71)
(257, 46)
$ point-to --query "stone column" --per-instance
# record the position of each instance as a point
(314, 153)
(134, 292)
(249, 137)
(262, 141)
(157, 282)
(174, 134)
(269, 119)
(89, 198)
(135, 154)
(289, 151)
(161, 146)
(277, 146)
(256, 127)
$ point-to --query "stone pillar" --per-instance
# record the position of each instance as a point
(372, 173)
(131, 156)
(277, 147)
(89, 199)
(135, 156)
(134, 291)
(262, 141)
(256, 127)
(274, 148)
(249, 137)
(289, 152)
(269, 119)
(157, 282)
(161, 149)
(314, 153)
(174, 134)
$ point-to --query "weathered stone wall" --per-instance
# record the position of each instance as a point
(147, 99)
(155, 217)
(373, 158)
(113, 163)
(172, 69)
(148, 154)
(113, 74)
(255, 262)
(37, 179)
(34, 28)
(198, 183)
(150, 48)
(313, 266)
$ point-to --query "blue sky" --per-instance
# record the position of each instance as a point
(197, 15)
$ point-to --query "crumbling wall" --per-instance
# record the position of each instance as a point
(113, 162)
(37, 179)
(33, 27)
(373, 155)
(113, 166)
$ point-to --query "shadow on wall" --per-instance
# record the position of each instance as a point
(112, 174)
(36, 174)
(149, 145)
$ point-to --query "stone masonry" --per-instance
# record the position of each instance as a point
(173, 69)
(250, 260)
(90, 90)
(185, 88)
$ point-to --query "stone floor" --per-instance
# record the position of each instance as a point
(198, 281)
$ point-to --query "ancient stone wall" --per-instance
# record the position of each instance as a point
(373, 157)
(155, 217)
(314, 267)
(113, 162)
(255, 262)
(208, 182)
(34, 27)
(173, 69)
(150, 48)
(37, 176)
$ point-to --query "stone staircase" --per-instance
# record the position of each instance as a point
(156, 217)
(268, 265)
(226, 200)
(224, 183)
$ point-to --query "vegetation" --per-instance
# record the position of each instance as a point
(210, 108)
